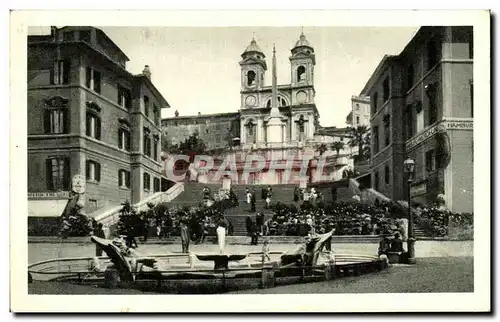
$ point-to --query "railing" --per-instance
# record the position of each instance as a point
(111, 216)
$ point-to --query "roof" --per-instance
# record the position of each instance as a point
(100, 32)
(153, 88)
(253, 48)
(201, 116)
(302, 42)
(421, 35)
(386, 60)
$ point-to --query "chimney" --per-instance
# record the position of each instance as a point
(146, 72)
(53, 32)
(199, 113)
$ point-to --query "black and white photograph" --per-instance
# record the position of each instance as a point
(320, 160)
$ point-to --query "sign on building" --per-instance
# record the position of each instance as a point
(78, 184)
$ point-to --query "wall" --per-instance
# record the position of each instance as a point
(456, 91)
(462, 167)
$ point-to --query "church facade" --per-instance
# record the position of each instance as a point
(274, 122)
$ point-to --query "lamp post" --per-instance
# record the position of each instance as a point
(409, 168)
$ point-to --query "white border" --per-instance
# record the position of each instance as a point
(477, 301)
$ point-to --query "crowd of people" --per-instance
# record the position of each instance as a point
(349, 218)
(191, 223)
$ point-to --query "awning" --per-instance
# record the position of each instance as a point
(46, 208)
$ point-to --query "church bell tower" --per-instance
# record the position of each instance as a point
(302, 62)
(253, 68)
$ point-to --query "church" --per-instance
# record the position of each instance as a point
(276, 122)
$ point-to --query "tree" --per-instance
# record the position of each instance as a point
(358, 136)
(322, 148)
(337, 146)
(191, 146)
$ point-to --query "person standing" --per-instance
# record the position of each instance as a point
(296, 194)
(259, 222)
(249, 224)
(252, 201)
(248, 197)
(184, 235)
(221, 233)
(99, 232)
(265, 252)
(263, 193)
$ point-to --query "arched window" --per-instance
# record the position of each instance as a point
(281, 102)
(301, 73)
(251, 78)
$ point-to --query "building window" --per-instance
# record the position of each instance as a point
(93, 125)
(146, 106)
(301, 73)
(471, 89)
(93, 204)
(387, 89)
(147, 181)
(410, 77)
(85, 35)
(123, 178)
(374, 102)
(471, 46)
(124, 97)
(430, 161)
(420, 116)
(375, 139)
(93, 171)
(56, 121)
(146, 142)
(68, 36)
(432, 54)
(408, 122)
(155, 149)
(60, 72)
(57, 173)
(124, 139)
(93, 80)
(387, 174)
(357, 121)
(156, 112)
(376, 181)
(156, 185)
(357, 107)
(431, 90)
(250, 78)
(281, 102)
(387, 129)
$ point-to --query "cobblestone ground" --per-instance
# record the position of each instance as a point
(42, 251)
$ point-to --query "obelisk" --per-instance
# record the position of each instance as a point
(274, 129)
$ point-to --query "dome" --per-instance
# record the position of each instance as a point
(302, 42)
(253, 47)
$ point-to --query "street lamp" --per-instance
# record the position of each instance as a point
(409, 168)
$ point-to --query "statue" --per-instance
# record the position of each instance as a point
(441, 202)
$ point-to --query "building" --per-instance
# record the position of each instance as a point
(422, 108)
(217, 130)
(360, 112)
(274, 121)
(87, 115)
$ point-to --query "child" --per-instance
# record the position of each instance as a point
(265, 252)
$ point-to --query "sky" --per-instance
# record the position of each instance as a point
(196, 68)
